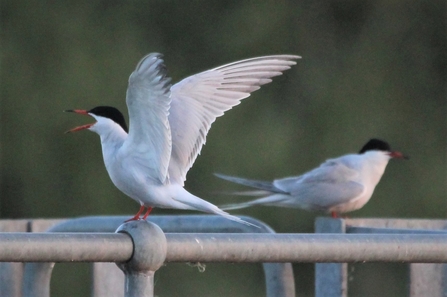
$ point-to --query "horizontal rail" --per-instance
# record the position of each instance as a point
(214, 247)
(65, 247)
(306, 248)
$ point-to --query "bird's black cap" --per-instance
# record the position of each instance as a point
(375, 145)
(111, 113)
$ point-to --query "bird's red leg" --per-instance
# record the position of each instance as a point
(137, 216)
(149, 209)
(334, 215)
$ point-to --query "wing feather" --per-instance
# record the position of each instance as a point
(148, 101)
(199, 99)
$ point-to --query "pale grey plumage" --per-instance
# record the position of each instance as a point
(338, 185)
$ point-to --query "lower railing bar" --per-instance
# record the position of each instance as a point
(65, 247)
(306, 248)
(219, 247)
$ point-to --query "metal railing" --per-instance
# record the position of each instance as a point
(141, 248)
(231, 248)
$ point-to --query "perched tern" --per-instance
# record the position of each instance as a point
(168, 125)
(338, 185)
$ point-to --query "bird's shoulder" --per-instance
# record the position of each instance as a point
(333, 170)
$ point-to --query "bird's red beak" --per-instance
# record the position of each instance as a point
(398, 155)
(79, 111)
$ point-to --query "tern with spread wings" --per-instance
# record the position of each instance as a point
(168, 125)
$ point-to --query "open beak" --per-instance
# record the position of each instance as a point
(79, 128)
(398, 155)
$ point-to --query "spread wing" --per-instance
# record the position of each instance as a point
(199, 99)
(148, 99)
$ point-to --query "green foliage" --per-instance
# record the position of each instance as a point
(369, 69)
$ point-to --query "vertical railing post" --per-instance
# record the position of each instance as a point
(331, 279)
(148, 256)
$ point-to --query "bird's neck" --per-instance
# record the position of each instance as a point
(111, 142)
(375, 165)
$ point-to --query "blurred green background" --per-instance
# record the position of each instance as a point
(369, 69)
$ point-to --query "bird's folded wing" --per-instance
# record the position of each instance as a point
(330, 184)
(148, 101)
(323, 196)
(199, 99)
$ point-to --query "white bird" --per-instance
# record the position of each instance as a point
(168, 127)
(338, 185)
